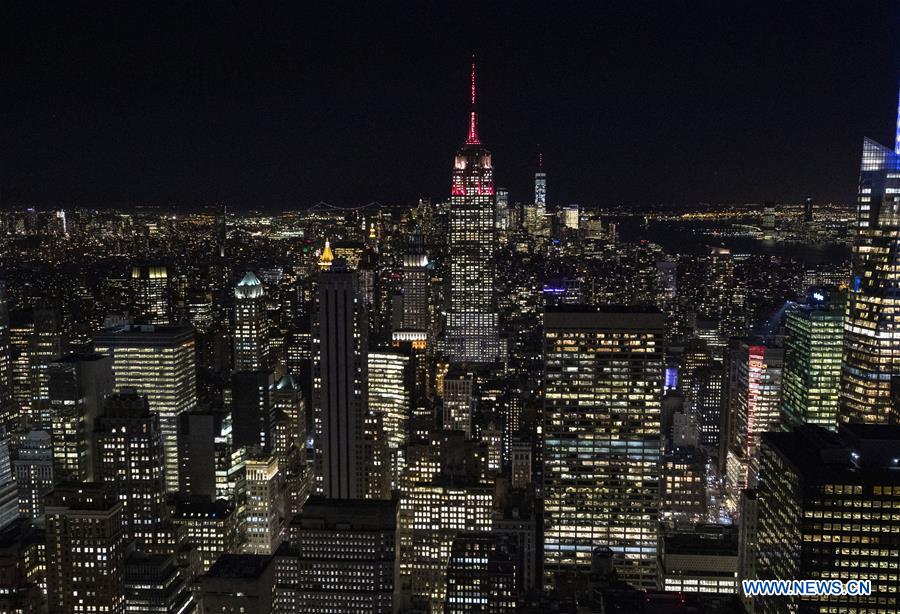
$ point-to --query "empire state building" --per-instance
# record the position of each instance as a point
(472, 321)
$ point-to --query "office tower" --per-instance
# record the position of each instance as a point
(390, 387)
(502, 204)
(459, 401)
(342, 558)
(9, 493)
(812, 360)
(85, 546)
(515, 525)
(540, 187)
(340, 384)
(211, 525)
(22, 568)
(251, 325)
(33, 469)
(78, 386)
(158, 362)
(571, 216)
(754, 407)
(683, 487)
(481, 575)
(129, 455)
(603, 380)
(702, 559)
(707, 396)
(46, 344)
(445, 492)
(520, 464)
(264, 508)
(6, 365)
(472, 319)
(238, 583)
(870, 370)
(200, 446)
(827, 510)
(21, 328)
(415, 288)
(150, 294)
(252, 410)
(154, 583)
(289, 437)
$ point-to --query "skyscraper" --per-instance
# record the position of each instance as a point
(252, 410)
(78, 386)
(159, 362)
(46, 344)
(130, 456)
(342, 558)
(340, 384)
(150, 294)
(827, 510)
(251, 329)
(472, 318)
(390, 386)
(263, 520)
(84, 533)
(812, 361)
(870, 371)
(34, 473)
(603, 381)
(415, 287)
(754, 407)
(540, 187)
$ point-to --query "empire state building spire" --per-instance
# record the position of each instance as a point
(473, 114)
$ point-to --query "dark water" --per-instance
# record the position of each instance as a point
(685, 238)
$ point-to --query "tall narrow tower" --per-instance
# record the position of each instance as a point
(870, 370)
(251, 332)
(472, 321)
(540, 186)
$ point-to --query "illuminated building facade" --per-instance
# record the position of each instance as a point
(264, 510)
(472, 319)
(79, 385)
(415, 287)
(158, 362)
(827, 510)
(342, 558)
(870, 372)
(703, 559)
(603, 385)
(754, 407)
(33, 469)
(481, 575)
(211, 525)
(46, 344)
(251, 327)
(130, 456)
(390, 385)
(683, 488)
(459, 401)
(431, 515)
(812, 362)
(86, 540)
(155, 583)
(150, 294)
(340, 385)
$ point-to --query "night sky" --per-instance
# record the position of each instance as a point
(281, 106)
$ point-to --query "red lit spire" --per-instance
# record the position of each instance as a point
(473, 116)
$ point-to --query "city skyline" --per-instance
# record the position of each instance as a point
(487, 400)
(162, 107)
